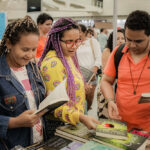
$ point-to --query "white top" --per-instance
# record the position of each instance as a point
(85, 54)
(22, 77)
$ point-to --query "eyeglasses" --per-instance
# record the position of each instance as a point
(71, 43)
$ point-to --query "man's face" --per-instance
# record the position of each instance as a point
(136, 40)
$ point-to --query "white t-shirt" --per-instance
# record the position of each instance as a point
(22, 77)
(85, 54)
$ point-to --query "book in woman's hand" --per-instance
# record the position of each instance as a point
(55, 99)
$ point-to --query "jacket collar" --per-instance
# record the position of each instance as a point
(4, 68)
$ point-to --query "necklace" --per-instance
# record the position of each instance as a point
(135, 87)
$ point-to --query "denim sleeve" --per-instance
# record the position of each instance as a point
(3, 126)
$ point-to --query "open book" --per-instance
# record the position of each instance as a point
(55, 99)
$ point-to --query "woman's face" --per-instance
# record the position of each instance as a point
(120, 38)
(70, 42)
(23, 51)
(89, 35)
(45, 27)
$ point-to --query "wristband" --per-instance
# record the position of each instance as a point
(109, 99)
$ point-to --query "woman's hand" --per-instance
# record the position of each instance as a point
(88, 121)
(26, 119)
(113, 111)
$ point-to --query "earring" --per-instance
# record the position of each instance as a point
(7, 50)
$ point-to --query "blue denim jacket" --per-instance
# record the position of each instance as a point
(13, 101)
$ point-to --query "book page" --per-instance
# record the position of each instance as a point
(57, 96)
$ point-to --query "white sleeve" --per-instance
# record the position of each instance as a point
(97, 53)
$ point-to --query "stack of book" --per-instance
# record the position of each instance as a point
(56, 143)
(75, 133)
(112, 129)
(114, 133)
(110, 134)
(134, 142)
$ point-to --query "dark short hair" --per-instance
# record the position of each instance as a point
(83, 28)
(138, 20)
(110, 39)
(43, 17)
(102, 29)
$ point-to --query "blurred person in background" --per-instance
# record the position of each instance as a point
(90, 33)
(89, 57)
(102, 38)
(109, 47)
(44, 23)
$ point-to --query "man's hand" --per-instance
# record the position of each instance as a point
(113, 111)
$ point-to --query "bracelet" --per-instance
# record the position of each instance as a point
(109, 99)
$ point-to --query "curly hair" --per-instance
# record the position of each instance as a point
(138, 20)
(15, 30)
(43, 17)
(53, 43)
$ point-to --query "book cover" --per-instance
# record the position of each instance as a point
(145, 98)
(72, 146)
(55, 99)
(134, 142)
(112, 129)
(91, 145)
(79, 132)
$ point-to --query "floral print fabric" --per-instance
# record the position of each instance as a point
(53, 73)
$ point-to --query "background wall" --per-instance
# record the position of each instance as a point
(125, 6)
(74, 8)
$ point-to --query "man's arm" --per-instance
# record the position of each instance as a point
(108, 92)
(107, 87)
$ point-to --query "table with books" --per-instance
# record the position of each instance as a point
(109, 135)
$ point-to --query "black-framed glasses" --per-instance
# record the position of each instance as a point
(71, 43)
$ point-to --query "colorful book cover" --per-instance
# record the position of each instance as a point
(79, 132)
(134, 142)
(112, 129)
(91, 145)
